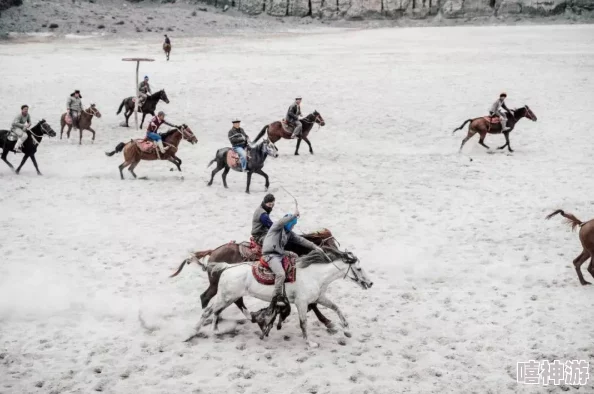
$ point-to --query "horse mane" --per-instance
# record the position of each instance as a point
(316, 257)
(157, 93)
(168, 133)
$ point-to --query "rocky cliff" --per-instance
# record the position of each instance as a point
(6, 4)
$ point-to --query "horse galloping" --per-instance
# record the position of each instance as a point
(149, 106)
(84, 122)
(29, 148)
(167, 50)
(586, 235)
(491, 125)
(256, 156)
(279, 129)
(142, 149)
(316, 271)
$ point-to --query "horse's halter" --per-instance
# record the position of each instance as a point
(43, 128)
(93, 111)
(317, 117)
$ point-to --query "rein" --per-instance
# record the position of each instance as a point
(38, 136)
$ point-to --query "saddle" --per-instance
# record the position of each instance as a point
(264, 275)
(233, 158)
(68, 119)
(146, 145)
(492, 119)
(250, 251)
(287, 127)
(8, 135)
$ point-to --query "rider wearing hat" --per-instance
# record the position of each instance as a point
(144, 90)
(497, 109)
(19, 126)
(153, 127)
(273, 249)
(261, 222)
(293, 117)
(239, 142)
(74, 106)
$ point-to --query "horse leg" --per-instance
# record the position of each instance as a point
(92, 131)
(330, 327)
(217, 309)
(142, 121)
(243, 308)
(68, 132)
(177, 164)
(506, 134)
(214, 172)
(591, 266)
(224, 176)
(80, 136)
(260, 172)
(297, 147)
(302, 310)
(62, 129)
(34, 160)
(577, 263)
(308, 144)
(482, 139)
(249, 180)
(470, 134)
(205, 315)
(127, 116)
(132, 167)
(4, 154)
(25, 157)
(324, 301)
(207, 295)
(122, 166)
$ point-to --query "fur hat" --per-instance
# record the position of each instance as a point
(76, 91)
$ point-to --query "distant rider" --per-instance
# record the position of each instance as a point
(20, 125)
(292, 117)
(497, 109)
(74, 107)
(144, 89)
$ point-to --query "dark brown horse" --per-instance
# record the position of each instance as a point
(491, 125)
(233, 252)
(135, 151)
(84, 122)
(279, 129)
(149, 106)
(167, 49)
(587, 240)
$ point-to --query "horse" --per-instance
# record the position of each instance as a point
(491, 124)
(227, 158)
(84, 122)
(29, 147)
(586, 235)
(148, 107)
(167, 49)
(315, 271)
(279, 129)
(233, 252)
(135, 151)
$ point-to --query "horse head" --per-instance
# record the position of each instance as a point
(529, 114)
(268, 148)
(93, 111)
(318, 118)
(163, 96)
(188, 135)
(45, 128)
(355, 271)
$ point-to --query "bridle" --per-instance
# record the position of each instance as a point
(316, 118)
(94, 111)
(45, 131)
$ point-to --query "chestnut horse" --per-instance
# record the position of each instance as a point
(167, 49)
(487, 124)
(84, 122)
(133, 153)
(586, 238)
(276, 131)
(231, 253)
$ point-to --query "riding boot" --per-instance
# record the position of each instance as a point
(161, 147)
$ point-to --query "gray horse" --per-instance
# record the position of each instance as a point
(227, 158)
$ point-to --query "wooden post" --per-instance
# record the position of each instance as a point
(137, 60)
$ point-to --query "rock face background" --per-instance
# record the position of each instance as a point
(6, 4)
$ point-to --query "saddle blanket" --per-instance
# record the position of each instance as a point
(68, 119)
(146, 146)
(492, 119)
(265, 276)
(233, 159)
(250, 251)
(287, 127)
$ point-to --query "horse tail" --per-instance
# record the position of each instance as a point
(261, 133)
(212, 161)
(197, 256)
(121, 106)
(119, 147)
(571, 219)
(463, 124)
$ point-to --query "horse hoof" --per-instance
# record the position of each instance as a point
(39, 173)
(331, 328)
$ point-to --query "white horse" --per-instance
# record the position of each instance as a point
(314, 273)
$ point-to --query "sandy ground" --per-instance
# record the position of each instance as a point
(469, 277)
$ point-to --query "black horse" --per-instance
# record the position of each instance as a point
(148, 107)
(255, 162)
(29, 148)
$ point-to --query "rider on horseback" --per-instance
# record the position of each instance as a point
(144, 89)
(293, 117)
(167, 40)
(497, 109)
(74, 107)
(151, 131)
(239, 142)
(261, 222)
(273, 250)
(20, 125)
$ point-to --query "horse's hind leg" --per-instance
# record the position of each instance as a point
(132, 167)
(122, 166)
(577, 263)
(591, 266)
(4, 154)
(224, 176)
(470, 134)
(482, 140)
(217, 309)
(214, 172)
(205, 315)
(242, 308)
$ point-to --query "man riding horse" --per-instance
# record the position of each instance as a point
(145, 89)
(261, 222)
(19, 126)
(273, 251)
(497, 109)
(239, 142)
(292, 117)
(153, 127)
(74, 107)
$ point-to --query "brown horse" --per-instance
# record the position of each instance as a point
(135, 151)
(586, 238)
(279, 129)
(84, 122)
(488, 124)
(167, 49)
(233, 252)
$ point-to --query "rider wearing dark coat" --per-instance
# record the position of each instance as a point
(292, 117)
(261, 222)
(239, 141)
